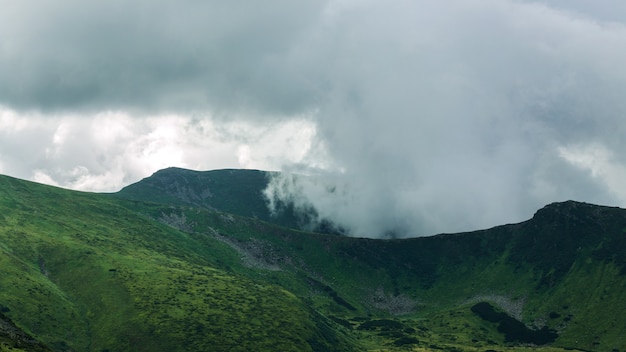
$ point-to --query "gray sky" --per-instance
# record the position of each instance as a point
(418, 117)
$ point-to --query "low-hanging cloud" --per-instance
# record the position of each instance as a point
(455, 120)
(421, 117)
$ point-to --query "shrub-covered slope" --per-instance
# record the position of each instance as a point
(91, 272)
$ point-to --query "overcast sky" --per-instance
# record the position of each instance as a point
(418, 117)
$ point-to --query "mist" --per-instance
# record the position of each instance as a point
(463, 119)
(417, 117)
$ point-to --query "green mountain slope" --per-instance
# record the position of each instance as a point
(80, 272)
(546, 272)
(91, 272)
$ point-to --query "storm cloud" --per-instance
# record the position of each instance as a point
(149, 55)
(419, 117)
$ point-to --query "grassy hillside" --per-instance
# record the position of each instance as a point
(78, 271)
(546, 272)
(91, 272)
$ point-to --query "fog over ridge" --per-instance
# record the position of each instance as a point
(471, 127)
(413, 118)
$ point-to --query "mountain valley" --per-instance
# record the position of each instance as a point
(194, 261)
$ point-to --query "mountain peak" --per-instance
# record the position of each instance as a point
(564, 207)
(236, 191)
(567, 208)
(571, 213)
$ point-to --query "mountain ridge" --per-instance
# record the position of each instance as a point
(83, 271)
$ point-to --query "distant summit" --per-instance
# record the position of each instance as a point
(235, 191)
(574, 211)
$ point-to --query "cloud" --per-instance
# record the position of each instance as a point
(109, 150)
(150, 55)
(607, 11)
(602, 164)
(451, 120)
(415, 117)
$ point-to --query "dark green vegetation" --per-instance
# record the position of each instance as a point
(148, 271)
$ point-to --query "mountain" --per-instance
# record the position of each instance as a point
(149, 270)
(231, 191)
(86, 272)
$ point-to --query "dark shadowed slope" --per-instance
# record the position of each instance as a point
(231, 191)
(13, 338)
